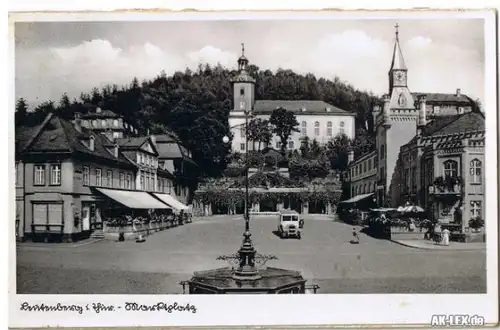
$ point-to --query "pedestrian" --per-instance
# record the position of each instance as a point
(446, 237)
(355, 234)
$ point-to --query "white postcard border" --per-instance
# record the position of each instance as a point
(321, 309)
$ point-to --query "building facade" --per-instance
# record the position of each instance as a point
(318, 120)
(363, 174)
(396, 121)
(68, 176)
(442, 169)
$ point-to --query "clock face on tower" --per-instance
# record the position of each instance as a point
(400, 77)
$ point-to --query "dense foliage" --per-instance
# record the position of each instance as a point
(196, 105)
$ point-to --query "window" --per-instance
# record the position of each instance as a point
(146, 181)
(316, 128)
(242, 132)
(290, 144)
(91, 143)
(152, 182)
(242, 105)
(364, 167)
(414, 178)
(98, 177)
(242, 91)
(94, 123)
(329, 130)
(450, 168)
(116, 135)
(475, 209)
(278, 144)
(39, 177)
(128, 181)
(141, 183)
(342, 131)
(342, 124)
(148, 160)
(475, 171)
(17, 176)
(382, 151)
(436, 109)
(460, 110)
(55, 174)
(115, 123)
(122, 180)
(353, 192)
(242, 146)
(110, 178)
(86, 175)
(369, 164)
(304, 128)
(158, 184)
(104, 123)
(406, 178)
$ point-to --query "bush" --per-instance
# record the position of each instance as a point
(476, 223)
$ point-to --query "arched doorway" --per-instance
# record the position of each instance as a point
(268, 205)
(317, 206)
(293, 203)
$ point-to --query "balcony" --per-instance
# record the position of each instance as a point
(446, 187)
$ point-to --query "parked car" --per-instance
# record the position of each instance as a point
(290, 224)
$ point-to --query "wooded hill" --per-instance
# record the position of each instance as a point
(195, 105)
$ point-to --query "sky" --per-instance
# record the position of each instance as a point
(52, 58)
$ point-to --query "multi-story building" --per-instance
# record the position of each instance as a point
(318, 120)
(396, 122)
(175, 158)
(108, 123)
(363, 174)
(68, 178)
(441, 168)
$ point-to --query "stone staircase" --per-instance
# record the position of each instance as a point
(97, 234)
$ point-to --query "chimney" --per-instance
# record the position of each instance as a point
(115, 150)
(78, 122)
(98, 110)
(350, 156)
(459, 92)
(422, 114)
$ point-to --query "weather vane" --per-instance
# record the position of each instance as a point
(397, 29)
(242, 48)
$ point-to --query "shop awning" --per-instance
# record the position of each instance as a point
(134, 199)
(357, 198)
(170, 200)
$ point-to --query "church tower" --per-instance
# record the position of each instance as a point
(243, 101)
(395, 123)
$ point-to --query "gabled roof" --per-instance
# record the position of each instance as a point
(311, 107)
(444, 98)
(100, 115)
(59, 135)
(132, 142)
(471, 121)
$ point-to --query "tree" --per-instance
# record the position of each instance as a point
(338, 152)
(21, 111)
(259, 131)
(284, 123)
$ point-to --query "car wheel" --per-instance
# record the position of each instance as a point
(299, 236)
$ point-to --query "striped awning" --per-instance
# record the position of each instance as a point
(170, 200)
(134, 199)
(357, 198)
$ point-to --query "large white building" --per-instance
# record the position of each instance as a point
(317, 119)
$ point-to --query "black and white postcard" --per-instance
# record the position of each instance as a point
(253, 168)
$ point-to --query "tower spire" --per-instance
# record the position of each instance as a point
(242, 49)
(398, 62)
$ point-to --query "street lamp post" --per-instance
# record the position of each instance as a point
(247, 252)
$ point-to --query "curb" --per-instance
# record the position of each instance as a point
(59, 245)
(434, 249)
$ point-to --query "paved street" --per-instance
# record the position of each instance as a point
(324, 255)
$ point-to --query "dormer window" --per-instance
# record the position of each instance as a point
(104, 123)
(436, 109)
(460, 110)
(91, 143)
(115, 122)
(115, 151)
(94, 123)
